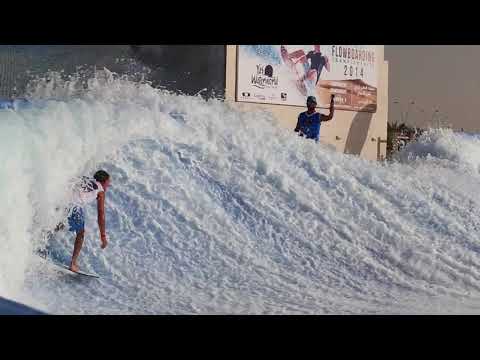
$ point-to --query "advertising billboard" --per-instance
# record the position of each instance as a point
(287, 74)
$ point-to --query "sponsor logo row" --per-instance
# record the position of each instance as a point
(248, 95)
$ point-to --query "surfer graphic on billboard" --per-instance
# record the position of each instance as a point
(312, 65)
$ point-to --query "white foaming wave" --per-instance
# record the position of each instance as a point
(461, 149)
(213, 210)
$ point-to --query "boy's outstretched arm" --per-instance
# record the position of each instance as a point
(101, 218)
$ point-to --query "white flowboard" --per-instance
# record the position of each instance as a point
(65, 267)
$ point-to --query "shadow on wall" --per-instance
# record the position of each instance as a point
(358, 132)
(186, 68)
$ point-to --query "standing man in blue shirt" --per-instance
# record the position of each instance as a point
(308, 123)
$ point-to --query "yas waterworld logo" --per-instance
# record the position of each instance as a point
(264, 78)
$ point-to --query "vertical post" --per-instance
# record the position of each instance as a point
(434, 116)
(378, 148)
(379, 142)
(412, 102)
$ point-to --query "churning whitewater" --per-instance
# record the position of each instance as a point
(213, 210)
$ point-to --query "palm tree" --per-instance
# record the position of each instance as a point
(394, 130)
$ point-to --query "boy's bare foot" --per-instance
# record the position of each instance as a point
(73, 267)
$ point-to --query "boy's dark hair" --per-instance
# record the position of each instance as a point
(101, 176)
